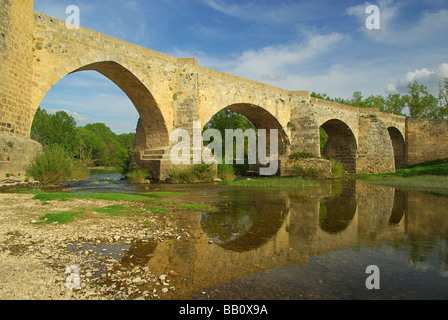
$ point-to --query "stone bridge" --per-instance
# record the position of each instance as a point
(37, 51)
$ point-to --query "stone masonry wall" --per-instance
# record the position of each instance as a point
(15, 155)
(375, 150)
(426, 140)
(16, 29)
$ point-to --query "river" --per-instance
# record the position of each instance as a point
(300, 244)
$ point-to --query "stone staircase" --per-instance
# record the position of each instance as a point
(153, 155)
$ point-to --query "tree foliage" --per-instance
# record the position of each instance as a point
(49, 129)
(227, 119)
(418, 103)
(95, 143)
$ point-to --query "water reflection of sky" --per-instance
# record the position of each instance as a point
(303, 238)
(342, 216)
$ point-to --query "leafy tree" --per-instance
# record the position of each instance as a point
(58, 128)
(227, 119)
(443, 99)
(95, 142)
(91, 145)
(357, 99)
(421, 103)
(395, 103)
(107, 151)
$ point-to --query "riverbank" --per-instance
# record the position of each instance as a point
(426, 177)
(35, 254)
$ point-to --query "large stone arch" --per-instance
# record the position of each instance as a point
(341, 145)
(152, 120)
(152, 132)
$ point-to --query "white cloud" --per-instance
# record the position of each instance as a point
(395, 30)
(282, 59)
(75, 115)
(388, 12)
(273, 64)
(298, 66)
(273, 12)
(430, 78)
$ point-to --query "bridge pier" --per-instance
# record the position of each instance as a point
(15, 155)
(375, 150)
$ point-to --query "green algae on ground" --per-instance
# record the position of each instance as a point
(46, 196)
(61, 217)
(197, 207)
(156, 209)
(117, 210)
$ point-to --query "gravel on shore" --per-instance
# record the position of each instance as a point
(78, 260)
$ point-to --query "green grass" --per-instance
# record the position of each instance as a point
(273, 183)
(432, 168)
(45, 196)
(117, 210)
(307, 173)
(430, 182)
(430, 176)
(164, 193)
(52, 167)
(197, 207)
(61, 217)
(156, 209)
(155, 200)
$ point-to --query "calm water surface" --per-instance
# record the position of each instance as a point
(313, 244)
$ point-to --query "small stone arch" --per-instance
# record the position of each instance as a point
(262, 119)
(341, 144)
(399, 147)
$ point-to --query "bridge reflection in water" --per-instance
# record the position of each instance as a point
(253, 231)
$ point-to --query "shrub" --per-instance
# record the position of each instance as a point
(337, 170)
(138, 175)
(226, 172)
(306, 173)
(53, 166)
(194, 174)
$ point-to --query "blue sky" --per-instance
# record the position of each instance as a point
(320, 46)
